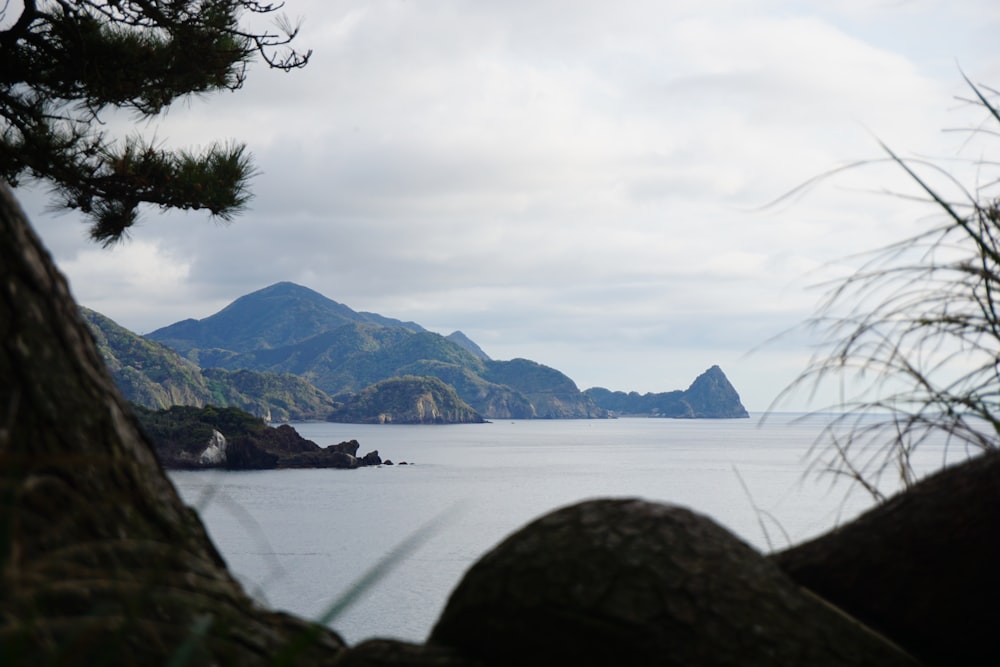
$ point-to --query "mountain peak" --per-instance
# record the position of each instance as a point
(281, 314)
(461, 339)
(712, 395)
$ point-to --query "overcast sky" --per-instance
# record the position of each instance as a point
(585, 184)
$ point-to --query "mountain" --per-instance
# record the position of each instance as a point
(156, 377)
(286, 343)
(276, 316)
(551, 393)
(407, 400)
(464, 341)
(710, 396)
(290, 329)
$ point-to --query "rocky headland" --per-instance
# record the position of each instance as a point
(191, 438)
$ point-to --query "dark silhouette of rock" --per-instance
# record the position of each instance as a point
(320, 458)
(348, 447)
(922, 568)
(102, 563)
(243, 454)
(627, 582)
(390, 653)
(192, 438)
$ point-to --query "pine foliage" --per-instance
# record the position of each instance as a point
(65, 67)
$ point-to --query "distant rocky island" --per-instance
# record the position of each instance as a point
(710, 396)
(288, 353)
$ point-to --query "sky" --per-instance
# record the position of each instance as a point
(596, 186)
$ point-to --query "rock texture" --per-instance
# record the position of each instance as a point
(627, 582)
(101, 562)
(922, 568)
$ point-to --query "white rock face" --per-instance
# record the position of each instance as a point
(216, 450)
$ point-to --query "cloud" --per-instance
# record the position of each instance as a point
(583, 183)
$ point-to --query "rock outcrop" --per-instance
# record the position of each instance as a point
(192, 438)
(628, 582)
(921, 568)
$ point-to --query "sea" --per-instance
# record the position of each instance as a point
(376, 551)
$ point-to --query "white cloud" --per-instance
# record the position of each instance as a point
(577, 182)
(138, 281)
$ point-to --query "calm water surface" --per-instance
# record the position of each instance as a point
(299, 538)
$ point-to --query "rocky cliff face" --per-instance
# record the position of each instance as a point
(407, 400)
(712, 396)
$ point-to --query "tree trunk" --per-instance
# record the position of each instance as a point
(101, 561)
(924, 568)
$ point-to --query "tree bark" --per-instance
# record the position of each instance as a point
(101, 561)
(923, 568)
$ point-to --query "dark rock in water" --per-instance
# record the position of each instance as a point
(348, 447)
(243, 454)
(322, 458)
(186, 437)
(627, 582)
(285, 439)
(387, 462)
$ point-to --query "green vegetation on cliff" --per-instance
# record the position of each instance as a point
(154, 376)
(407, 400)
(282, 352)
(356, 350)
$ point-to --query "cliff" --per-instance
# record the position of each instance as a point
(406, 400)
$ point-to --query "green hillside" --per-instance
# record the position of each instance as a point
(407, 400)
(276, 316)
(289, 329)
(288, 352)
(154, 376)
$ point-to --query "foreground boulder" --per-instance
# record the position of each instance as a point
(921, 568)
(628, 582)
